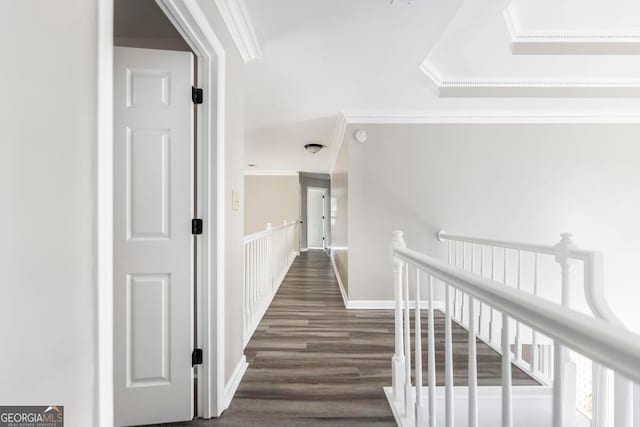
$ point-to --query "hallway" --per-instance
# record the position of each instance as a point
(312, 362)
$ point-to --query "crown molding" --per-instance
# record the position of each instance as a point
(236, 17)
(338, 137)
(529, 88)
(560, 42)
(492, 116)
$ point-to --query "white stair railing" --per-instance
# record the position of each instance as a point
(268, 255)
(601, 339)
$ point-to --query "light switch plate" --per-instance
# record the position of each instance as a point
(235, 200)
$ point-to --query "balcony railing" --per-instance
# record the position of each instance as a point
(528, 329)
(268, 255)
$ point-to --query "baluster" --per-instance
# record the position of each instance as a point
(246, 293)
(398, 361)
(600, 395)
(253, 282)
(534, 334)
(432, 356)
(419, 407)
(448, 359)
(407, 346)
(564, 377)
(518, 341)
(507, 409)
(623, 402)
(455, 291)
(472, 366)
(493, 277)
(480, 328)
(463, 296)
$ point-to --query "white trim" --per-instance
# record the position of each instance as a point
(270, 173)
(304, 249)
(104, 414)
(492, 116)
(234, 381)
(191, 22)
(569, 42)
(238, 22)
(522, 88)
(338, 137)
(193, 25)
(388, 305)
(345, 300)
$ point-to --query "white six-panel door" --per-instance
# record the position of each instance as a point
(153, 199)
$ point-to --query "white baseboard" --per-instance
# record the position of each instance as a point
(374, 304)
(388, 305)
(345, 300)
(304, 249)
(234, 381)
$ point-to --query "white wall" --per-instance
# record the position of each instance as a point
(47, 220)
(517, 182)
(339, 214)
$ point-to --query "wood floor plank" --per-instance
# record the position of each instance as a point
(313, 363)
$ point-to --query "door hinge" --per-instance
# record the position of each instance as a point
(196, 357)
(196, 95)
(196, 226)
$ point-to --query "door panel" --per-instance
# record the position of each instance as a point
(153, 199)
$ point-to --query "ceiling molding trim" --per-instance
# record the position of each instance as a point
(491, 116)
(270, 173)
(568, 42)
(338, 137)
(238, 22)
(529, 88)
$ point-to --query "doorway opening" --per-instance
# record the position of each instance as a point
(317, 217)
(155, 179)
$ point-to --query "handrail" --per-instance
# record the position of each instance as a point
(532, 247)
(593, 272)
(589, 336)
(258, 234)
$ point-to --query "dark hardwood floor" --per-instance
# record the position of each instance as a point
(312, 362)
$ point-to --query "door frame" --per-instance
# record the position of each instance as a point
(192, 24)
(325, 192)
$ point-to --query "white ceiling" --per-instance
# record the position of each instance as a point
(323, 57)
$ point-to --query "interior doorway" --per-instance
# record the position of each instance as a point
(147, 191)
(317, 217)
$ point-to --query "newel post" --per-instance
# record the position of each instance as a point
(398, 360)
(564, 381)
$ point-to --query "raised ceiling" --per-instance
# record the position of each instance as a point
(323, 57)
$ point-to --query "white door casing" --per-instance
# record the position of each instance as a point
(316, 215)
(153, 249)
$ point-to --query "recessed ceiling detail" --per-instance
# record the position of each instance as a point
(576, 27)
(473, 58)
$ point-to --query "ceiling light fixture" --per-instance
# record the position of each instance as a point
(313, 148)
